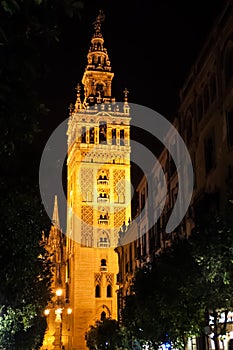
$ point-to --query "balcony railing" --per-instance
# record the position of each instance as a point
(102, 199)
(103, 221)
(102, 182)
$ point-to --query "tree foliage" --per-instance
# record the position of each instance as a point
(192, 280)
(107, 335)
(212, 248)
(28, 29)
(163, 307)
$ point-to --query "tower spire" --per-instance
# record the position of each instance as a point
(97, 24)
(55, 220)
(97, 78)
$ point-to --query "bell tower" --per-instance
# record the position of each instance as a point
(98, 193)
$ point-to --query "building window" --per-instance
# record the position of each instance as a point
(92, 135)
(229, 116)
(122, 137)
(109, 291)
(144, 244)
(103, 132)
(103, 316)
(152, 239)
(103, 242)
(83, 136)
(103, 266)
(113, 136)
(100, 89)
(143, 200)
(103, 262)
(102, 178)
(67, 292)
(102, 197)
(209, 153)
(97, 291)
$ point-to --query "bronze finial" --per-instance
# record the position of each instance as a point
(78, 88)
(126, 94)
(71, 108)
(99, 19)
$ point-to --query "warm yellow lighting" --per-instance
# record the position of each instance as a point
(58, 311)
(69, 311)
(58, 292)
(46, 312)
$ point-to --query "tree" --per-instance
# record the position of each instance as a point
(163, 308)
(187, 284)
(212, 248)
(108, 335)
(28, 29)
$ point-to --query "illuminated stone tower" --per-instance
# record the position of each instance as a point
(98, 193)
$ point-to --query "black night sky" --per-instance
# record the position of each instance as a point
(151, 45)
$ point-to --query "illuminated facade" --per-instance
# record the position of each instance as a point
(98, 195)
(205, 122)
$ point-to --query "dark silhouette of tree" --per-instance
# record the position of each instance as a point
(28, 29)
(107, 334)
(187, 284)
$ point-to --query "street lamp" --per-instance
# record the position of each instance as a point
(58, 292)
(60, 308)
(46, 312)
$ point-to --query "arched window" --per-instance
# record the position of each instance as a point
(103, 316)
(103, 262)
(102, 178)
(92, 135)
(122, 137)
(109, 291)
(103, 267)
(103, 242)
(102, 132)
(100, 88)
(83, 135)
(97, 291)
(114, 136)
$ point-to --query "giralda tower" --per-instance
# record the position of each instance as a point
(98, 193)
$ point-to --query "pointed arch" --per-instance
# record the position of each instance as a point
(103, 316)
(109, 291)
(97, 291)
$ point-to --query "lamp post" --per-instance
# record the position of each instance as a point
(60, 308)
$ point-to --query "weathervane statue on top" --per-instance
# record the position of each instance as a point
(99, 19)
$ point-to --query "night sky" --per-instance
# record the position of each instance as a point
(151, 45)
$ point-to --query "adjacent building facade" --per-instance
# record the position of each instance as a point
(205, 122)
